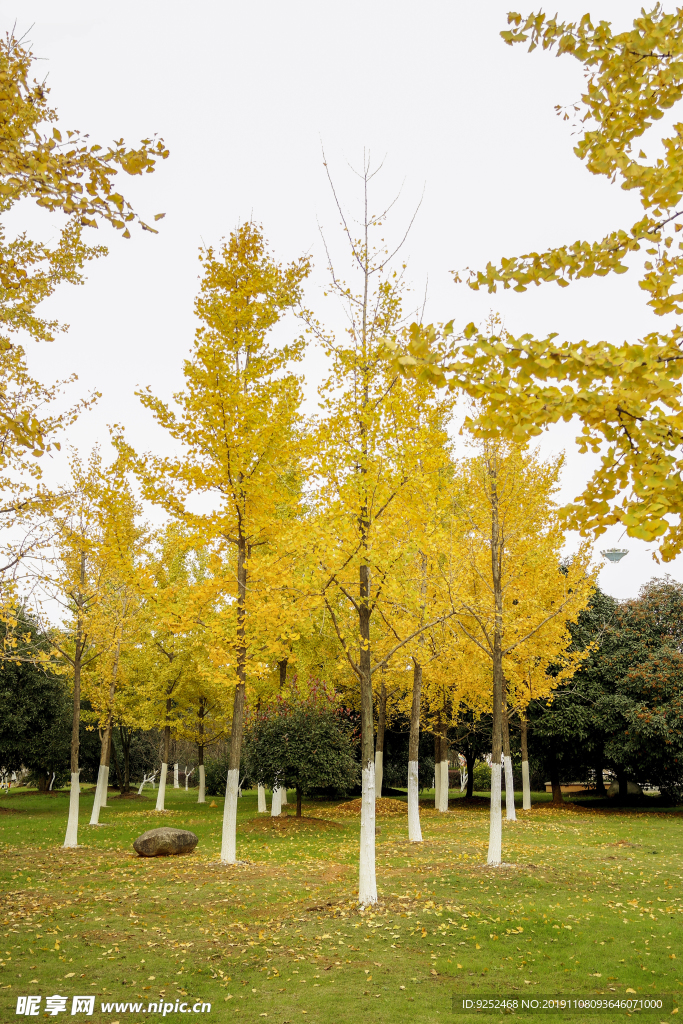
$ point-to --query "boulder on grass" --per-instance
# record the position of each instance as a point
(165, 842)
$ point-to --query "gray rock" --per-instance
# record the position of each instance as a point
(165, 842)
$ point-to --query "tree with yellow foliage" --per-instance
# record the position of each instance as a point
(68, 175)
(376, 436)
(627, 394)
(71, 580)
(118, 550)
(163, 668)
(239, 426)
(517, 595)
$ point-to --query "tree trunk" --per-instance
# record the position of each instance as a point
(510, 812)
(558, 799)
(262, 806)
(102, 775)
(443, 767)
(282, 667)
(414, 830)
(298, 801)
(622, 779)
(495, 823)
(229, 838)
(71, 838)
(44, 782)
(276, 802)
(119, 773)
(469, 757)
(176, 777)
(367, 882)
(379, 745)
(161, 792)
(600, 789)
(105, 755)
(124, 733)
(437, 767)
(201, 799)
(526, 788)
(107, 772)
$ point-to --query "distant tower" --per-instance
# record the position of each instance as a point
(614, 554)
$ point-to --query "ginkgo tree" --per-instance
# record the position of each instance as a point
(628, 395)
(70, 580)
(163, 667)
(238, 426)
(377, 436)
(118, 550)
(516, 588)
(65, 174)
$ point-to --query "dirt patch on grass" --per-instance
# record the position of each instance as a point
(469, 801)
(575, 808)
(288, 823)
(384, 805)
(127, 796)
(9, 810)
(47, 792)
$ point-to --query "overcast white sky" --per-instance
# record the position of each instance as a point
(245, 94)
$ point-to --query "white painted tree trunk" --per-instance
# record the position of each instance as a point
(414, 830)
(526, 788)
(186, 778)
(229, 841)
(283, 796)
(379, 771)
(367, 882)
(496, 820)
(97, 802)
(437, 785)
(71, 839)
(201, 799)
(262, 806)
(161, 795)
(176, 783)
(105, 786)
(510, 812)
(276, 803)
(443, 778)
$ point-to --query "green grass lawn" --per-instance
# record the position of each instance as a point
(593, 903)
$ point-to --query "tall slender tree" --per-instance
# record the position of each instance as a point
(239, 426)
(375, 436)
(517, 587)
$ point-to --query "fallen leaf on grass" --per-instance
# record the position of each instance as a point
(631, 991)
(435, 973)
